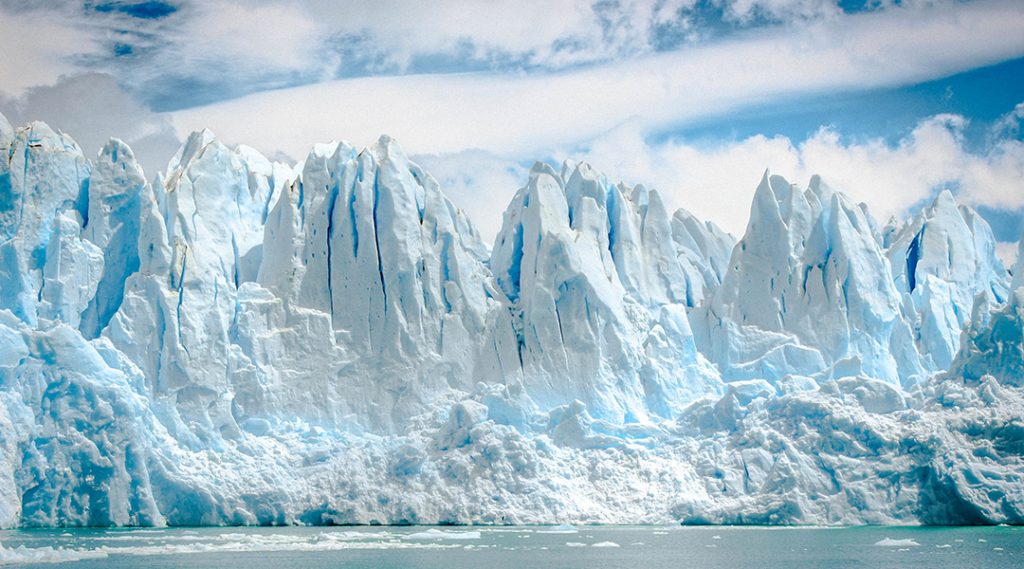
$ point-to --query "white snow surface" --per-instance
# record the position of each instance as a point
(247, 342)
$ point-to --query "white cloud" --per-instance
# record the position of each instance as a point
(1009, 125)
(214, 49)
(37, 48)
(717, 182)
(401, 30)
(263, 37)
(205, 51)
(783, 10)
(997, 178)
(531, 113)
(225, 44)
(233, 46)
(549, 33)
(92, 109)
(479, 183)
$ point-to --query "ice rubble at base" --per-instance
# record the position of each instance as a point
(22, 555)
(244, 342)
(104, 546)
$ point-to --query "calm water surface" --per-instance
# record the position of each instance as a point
(585, 547)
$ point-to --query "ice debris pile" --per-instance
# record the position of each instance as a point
(247, 342)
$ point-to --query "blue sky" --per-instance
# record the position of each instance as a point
(889, 100)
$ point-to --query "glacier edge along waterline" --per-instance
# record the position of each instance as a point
(243, 342)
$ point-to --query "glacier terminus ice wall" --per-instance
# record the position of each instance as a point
(238, 341)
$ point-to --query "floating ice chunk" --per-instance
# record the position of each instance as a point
(889, 542)
(441, 534)
(574, 544)
(605, 544)
(260, 542)
(24, 555)
(562, 528)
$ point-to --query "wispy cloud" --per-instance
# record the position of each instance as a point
(529, 113)
(168, 54)
(38, 47)
(783, 10)
(178, 53)
(93, 108)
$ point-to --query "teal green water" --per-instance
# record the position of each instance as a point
(585, 547)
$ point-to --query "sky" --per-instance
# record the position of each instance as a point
(889, 101)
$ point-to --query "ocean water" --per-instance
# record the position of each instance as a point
(585, 547)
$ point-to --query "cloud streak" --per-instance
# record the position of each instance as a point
(38, 48)
(210, 50)
(530, 113)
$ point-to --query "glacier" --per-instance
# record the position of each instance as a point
(241, 341)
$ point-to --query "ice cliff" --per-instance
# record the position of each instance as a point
(240, 341)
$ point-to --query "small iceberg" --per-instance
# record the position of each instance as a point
(889, 542)
(440, 534)
(22, 554)
(562, 528)
(605, 544)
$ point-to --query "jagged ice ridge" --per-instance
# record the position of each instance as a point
(247, 342)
